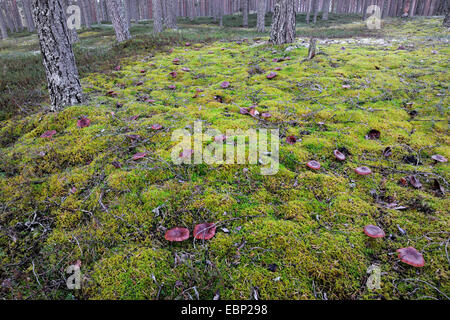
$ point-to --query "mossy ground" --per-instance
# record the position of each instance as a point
(62, 200)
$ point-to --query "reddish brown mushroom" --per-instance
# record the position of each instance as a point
(225, 84)
(265, 115)
(411, 256)
(387, 152)
(176, 61)
(374, 231)
(171, 87)
(173, 74)
(313, 165)
(177, 234)
(339, 155)
(271, 75)
(139, 155)
(363, 171)
(48, 134)
(83, 122)
(291, 139)
(438, 158)
(204, 231)
(156, 126)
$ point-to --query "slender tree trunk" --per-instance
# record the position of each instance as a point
(117, 13)
(315, 10)
(326, 9)
(245, 13)
(73, 34)
(157, 17)
(26, 5)
(3, 30)
(59, 61)
(261, 19)
(283, 24)
(308, 11)
(412, 8)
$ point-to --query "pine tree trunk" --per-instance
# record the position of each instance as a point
(171, 21)
(117, 13)
(283, 24)
(308, 10)
(316, 10)
(326, 9)
(261, 19)
(73, 35)
(26, 4)
(59, 61)
(447, 15)
(157, 17)
(3, 30)
(245, 13)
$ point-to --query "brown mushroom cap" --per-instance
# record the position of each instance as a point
(204, 231)
(225, 84)
(291, 139)
(83, 122)
(438, 158)
(48, 134)
(373, 231)
(373, 134)
(411, 256)
(313, 165)
(177, 234)
(363, 171)
(339, 155)
(271, 75)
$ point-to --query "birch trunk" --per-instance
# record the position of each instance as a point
(59, 61)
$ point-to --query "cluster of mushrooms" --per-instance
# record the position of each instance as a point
(203, 231)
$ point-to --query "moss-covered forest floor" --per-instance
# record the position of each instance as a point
(79, 195)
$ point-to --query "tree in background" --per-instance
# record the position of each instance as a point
(447, 14)
(326, 9)
(119, 22)
(157, 16)
(59, 61)
(171, 18)
(3, 28)
(261, 16)
(245, 10)
(283, 24)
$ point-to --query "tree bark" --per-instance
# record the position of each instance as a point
(447, 15)
(3, 30)
(283, 24)
(117, 13)
(315, 10)
(308, 10)
(73, 34)
(245, 13)
(157, 17)
(171, 20)
(261, 18)
(26, 4)
(59, 61)
(326, 9)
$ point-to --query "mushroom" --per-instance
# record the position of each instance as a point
(313, 165)
(176, 61)
(204, 231)
(363, 171)
(266, 115)
(291, 139)
(373, 231)
(438, 158)
(339, 155)
(411, 256)
(48, 134)
(220, 138)
(156, 126)
(177, 234)
(171, 87)
(83, 122)
(173, 74)
(139, 155)
(271, 75)
(225, 84)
